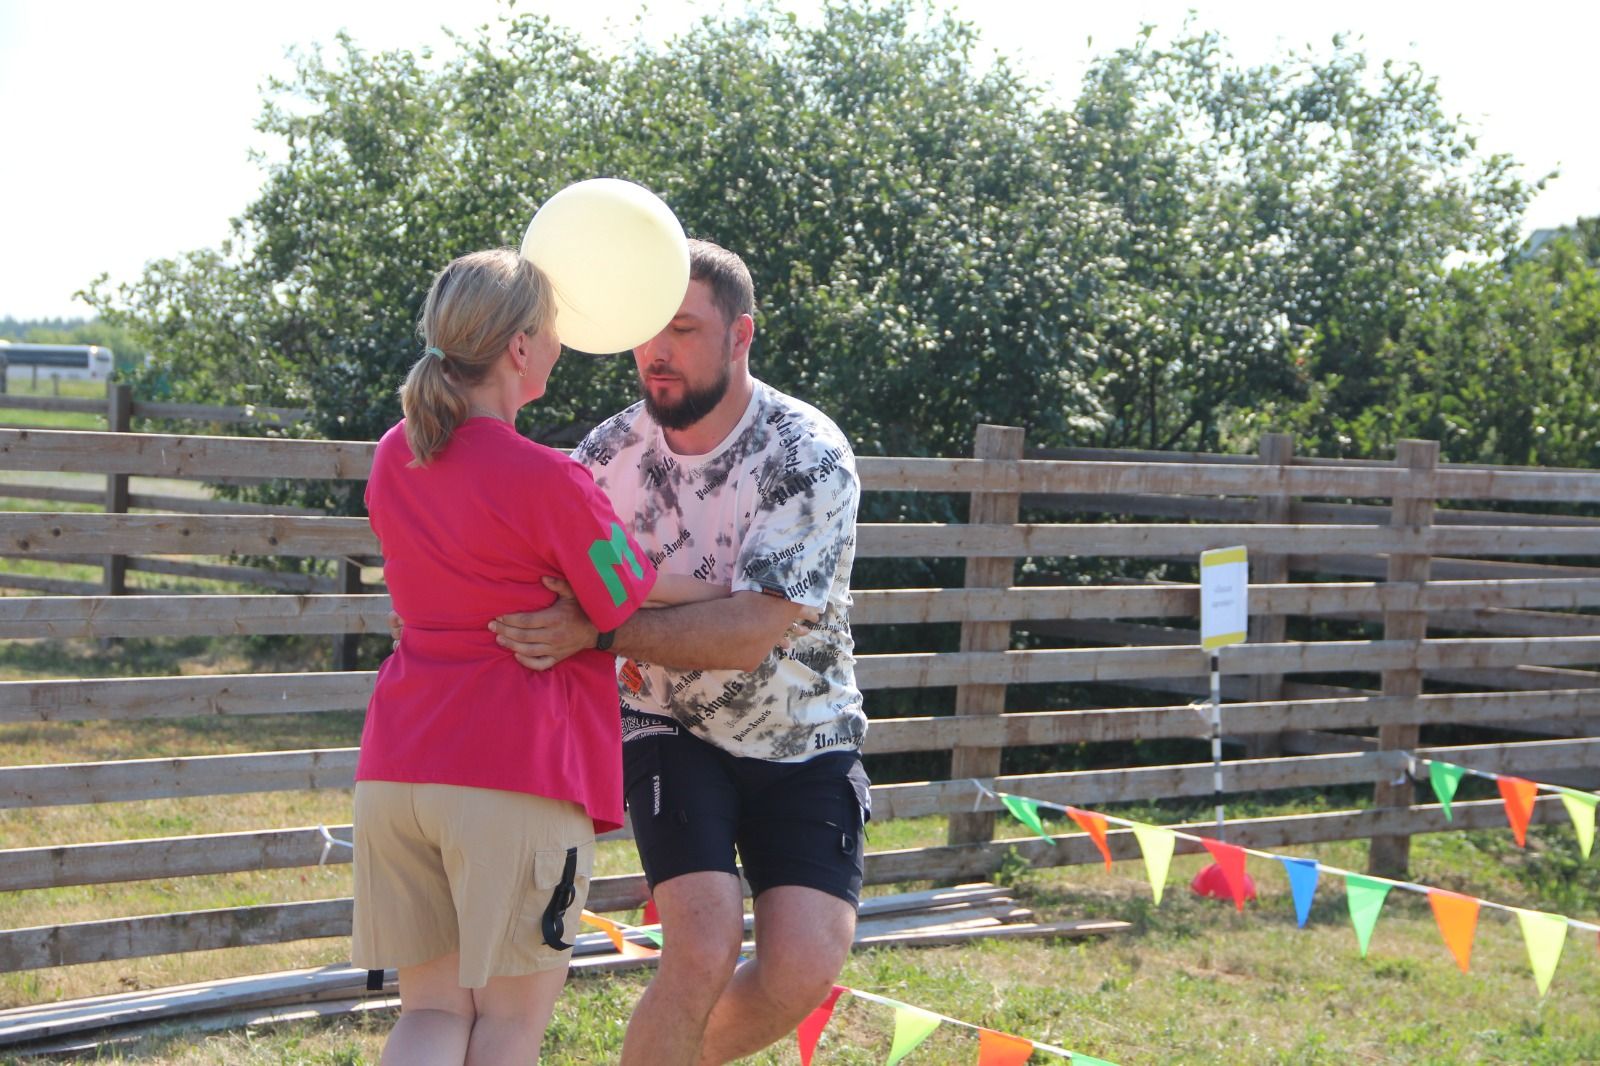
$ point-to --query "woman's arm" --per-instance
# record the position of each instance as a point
(673, 589)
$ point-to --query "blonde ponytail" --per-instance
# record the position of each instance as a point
(474, 308)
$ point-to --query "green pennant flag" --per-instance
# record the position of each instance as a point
(1365, 896)
(1080, 1059)
(1445, 778)
(1546, 935)
(1026, 811)
(1157, 845)
(652, 935)
(911, 1027)
(1580, 807)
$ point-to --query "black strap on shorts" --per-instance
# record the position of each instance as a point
(555, 912)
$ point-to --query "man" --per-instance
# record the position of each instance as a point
(741, 717)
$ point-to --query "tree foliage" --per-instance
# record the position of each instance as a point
(1192, 251)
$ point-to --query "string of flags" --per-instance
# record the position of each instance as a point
(912, 1025)
(1456, 914)
(1518, 794)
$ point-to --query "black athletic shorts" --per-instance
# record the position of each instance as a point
(692, 804)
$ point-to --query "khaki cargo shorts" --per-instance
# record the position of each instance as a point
(501, 877)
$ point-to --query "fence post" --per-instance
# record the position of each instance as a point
(1276, 508)
(344, 645)
(119, 419)
(999, 508)
(1413, 509)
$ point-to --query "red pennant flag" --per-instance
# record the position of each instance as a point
(1457, 916)
(1002, 1049)
(651, 915)
(1095, 826)
(810, 1030)
(1231, 859)
(1518, 794)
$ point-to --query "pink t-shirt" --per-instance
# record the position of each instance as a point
(465, 539)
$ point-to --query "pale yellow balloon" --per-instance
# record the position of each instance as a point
(617, 258)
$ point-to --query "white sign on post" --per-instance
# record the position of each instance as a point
(1224, 597)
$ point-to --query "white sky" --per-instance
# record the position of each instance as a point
(127, 124)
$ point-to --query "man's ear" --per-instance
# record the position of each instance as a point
(744, 333)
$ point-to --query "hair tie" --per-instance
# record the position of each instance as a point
(435, 352)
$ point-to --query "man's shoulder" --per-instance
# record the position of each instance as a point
(791, 417)
(617, 434)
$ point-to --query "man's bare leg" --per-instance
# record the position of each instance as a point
(702, 921)
(803, 937)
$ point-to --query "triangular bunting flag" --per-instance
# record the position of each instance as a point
(612, 930)
(653, 935)
(1026, 811)
(1518, 794)
(1457, 916)
(1080, 1059)
(1095, 826)
(1445, 778)
(1365, 896)
(1231, 858)
(651, 915)
(1580, 808)
(1157, 845)
(1546, 935)
(911, 1027)
(1303, 874)
(810, 1030)
(1002, 1049)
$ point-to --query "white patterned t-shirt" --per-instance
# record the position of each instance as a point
(773, 509)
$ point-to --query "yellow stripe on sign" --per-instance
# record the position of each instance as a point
(1222, 556)
(1219, 640)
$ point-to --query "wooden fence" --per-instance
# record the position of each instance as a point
(1473, 618)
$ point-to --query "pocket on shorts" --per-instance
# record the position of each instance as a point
(861, 787)
(641, 776)
(557, 899)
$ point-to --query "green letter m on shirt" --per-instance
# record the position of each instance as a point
(607, 557)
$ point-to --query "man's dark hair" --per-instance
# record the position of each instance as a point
(731, 288)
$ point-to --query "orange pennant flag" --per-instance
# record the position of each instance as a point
(1095, 826)
(613, 931)
(1457, 916)
(1002, 1049)
(1518, 794)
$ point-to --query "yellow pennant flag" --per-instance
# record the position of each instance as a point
(1157, 845)
(1546, 935)
(1580, 807)
(912, 1025)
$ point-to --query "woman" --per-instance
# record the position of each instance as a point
(480, 784)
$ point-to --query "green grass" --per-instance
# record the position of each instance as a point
(1193, 982)
(21, 383)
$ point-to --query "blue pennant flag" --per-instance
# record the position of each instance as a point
(1303, 883)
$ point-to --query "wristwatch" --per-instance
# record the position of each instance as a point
(602, 641)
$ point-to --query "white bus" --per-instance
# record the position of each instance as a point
(82, 361)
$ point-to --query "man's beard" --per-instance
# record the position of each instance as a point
(694, 404)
